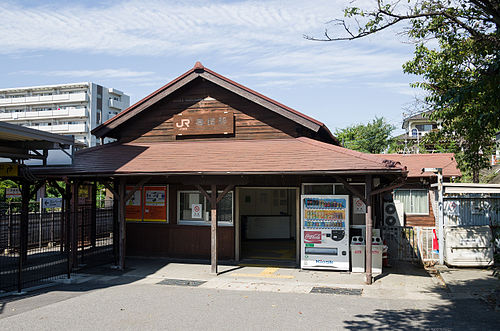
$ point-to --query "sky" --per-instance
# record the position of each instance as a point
(137, 46)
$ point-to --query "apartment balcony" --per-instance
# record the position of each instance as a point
(118, 105)
(45, 114)
(62, 128)
(45, 99)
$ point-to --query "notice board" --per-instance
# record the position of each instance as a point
(155, 203)
(133, 206)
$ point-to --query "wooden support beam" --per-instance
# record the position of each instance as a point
(351, 189)
(136, 187)
(214, 200)
(395, 184)
(35, 189)
(202, 191)
(121, 223)
(226, 190)
(369, 225)
(213, 229)
(111, 189)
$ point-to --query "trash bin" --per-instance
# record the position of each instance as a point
(358, 254)
(377, 250)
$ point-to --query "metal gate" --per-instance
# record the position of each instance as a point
(410, 243)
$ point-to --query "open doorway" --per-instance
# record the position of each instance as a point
(268, 218)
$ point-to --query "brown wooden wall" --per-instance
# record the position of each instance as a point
(251, 120)
(177, 241)
(422, 220)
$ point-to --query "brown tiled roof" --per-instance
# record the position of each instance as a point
(198, 70)
(294, 155)
(415, 162)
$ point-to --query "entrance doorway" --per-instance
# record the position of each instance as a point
(268, 218)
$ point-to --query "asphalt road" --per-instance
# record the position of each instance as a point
(151, 306)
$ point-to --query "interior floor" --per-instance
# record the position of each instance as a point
(268, 249)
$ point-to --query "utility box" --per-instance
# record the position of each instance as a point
(468, 246)
(358, 249)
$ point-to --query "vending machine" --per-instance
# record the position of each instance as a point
(325, 232)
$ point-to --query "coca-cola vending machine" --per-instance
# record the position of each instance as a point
(325, 232)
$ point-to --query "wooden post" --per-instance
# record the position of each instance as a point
(369, 225)
(116, 223)
(121, 222)
(213, 228)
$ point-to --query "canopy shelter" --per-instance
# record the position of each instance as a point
(20, 143)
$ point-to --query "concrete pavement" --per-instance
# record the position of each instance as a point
(248, 298)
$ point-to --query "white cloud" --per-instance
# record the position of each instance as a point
(266, 35)
(105, 73)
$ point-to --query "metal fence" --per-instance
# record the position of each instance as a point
(408, 243)
(44, 257)
(471, 210)
(49, 245)
(95, 240)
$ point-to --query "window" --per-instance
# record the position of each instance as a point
(189, 201)
(415, 202)
(426, 127)
(414, 132)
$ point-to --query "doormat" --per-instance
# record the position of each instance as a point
(336, 290)
(181, 282)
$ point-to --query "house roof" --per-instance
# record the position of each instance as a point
(225, 157)
(200, 71)
(420, 116)
(416, 162)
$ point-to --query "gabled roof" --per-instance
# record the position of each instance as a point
(415, 162)
(420, 116)
(224, 157)
(200, 71)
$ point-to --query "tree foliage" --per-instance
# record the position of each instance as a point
(460, 67)
(374, 137)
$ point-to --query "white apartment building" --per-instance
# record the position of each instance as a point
(67, 109)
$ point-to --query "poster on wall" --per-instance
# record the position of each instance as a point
(359, 206)
(155, 203)
(196, 210)
(133, 206)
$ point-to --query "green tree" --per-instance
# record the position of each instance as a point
(460, 70)
(373, 137)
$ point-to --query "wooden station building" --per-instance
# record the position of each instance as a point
(204, 147)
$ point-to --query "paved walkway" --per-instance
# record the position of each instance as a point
(405, 281)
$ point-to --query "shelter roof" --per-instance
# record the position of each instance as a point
(17, 141)
(415, 162)
(199, 71)
(224, 157)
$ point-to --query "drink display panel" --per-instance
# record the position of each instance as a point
(325, 232)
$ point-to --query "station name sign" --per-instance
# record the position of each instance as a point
(216, 122)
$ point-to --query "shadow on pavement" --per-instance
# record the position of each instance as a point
(468, 305)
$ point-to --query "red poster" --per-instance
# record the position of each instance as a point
(155, 203)
(133, 207)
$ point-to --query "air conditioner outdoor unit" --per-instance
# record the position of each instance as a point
(393, 213)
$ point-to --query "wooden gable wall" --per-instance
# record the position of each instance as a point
(251, 121)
